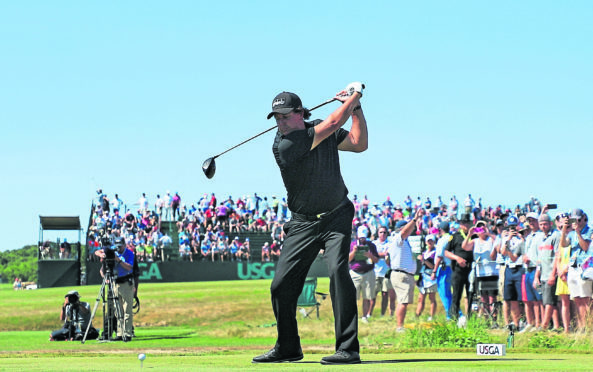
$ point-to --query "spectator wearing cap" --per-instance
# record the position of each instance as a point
(486, 268)
(362, 258)
(275, 250)
(184, 247)
(234, 249)
(206, 249)
(512, 248)
(532, 298)
(442, 263)
(461, 264)
(545, 277)
(265, 252)
(383, 284)
(579, 240)
(403, 267)
(245, 251)
(363, 229)
(560, 270)
(427, 285)
(165, 242)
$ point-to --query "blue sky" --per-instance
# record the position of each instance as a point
(488, 98)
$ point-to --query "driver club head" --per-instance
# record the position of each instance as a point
(209, 167)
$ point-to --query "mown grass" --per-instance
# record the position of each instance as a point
(222, 325)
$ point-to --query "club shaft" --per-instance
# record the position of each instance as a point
(267, 130)
(247, 140)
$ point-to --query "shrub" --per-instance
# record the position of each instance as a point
(447, 334)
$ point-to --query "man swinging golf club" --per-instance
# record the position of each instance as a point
(307, 155)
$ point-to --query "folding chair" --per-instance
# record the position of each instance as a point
(308, 298)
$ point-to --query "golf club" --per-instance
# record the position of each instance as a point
(209, 165)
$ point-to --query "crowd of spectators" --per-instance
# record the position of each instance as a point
(204, 229)
(537, 263)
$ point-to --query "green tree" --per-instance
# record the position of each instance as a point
(20, 263)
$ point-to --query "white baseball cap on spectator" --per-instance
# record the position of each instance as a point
(533, 215)
(430, 237)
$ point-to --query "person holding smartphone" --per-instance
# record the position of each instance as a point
(579, 241)
(512, 248)
(486, 267)
(363, 257)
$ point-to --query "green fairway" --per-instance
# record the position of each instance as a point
(222, 325)
(182, 359)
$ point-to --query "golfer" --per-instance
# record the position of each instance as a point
(307, 155)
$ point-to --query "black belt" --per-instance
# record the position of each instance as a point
(319, 216)
(531, 269)
(401, 271)
(124, 279)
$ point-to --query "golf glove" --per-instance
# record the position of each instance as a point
(356, 86)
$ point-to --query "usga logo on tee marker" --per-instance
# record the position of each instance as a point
(491, 349)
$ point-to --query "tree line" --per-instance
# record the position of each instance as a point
(19, 263)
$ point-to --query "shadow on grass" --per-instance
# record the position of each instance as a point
(157, 337)
(424, 360)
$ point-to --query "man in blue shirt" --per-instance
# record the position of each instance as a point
(123, 290)
(442, 264)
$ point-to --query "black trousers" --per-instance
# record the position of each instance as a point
(302, 244)
(459, 281)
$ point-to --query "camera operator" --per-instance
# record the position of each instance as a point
(76, 316)
(124, 286)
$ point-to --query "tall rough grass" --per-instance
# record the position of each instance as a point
(242, 310)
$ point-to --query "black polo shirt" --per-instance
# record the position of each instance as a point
(455, 247)
(312, 178)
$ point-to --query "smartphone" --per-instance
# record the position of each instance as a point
(572, 220)
(552, 206)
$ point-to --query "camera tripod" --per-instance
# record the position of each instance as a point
(113, 313)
